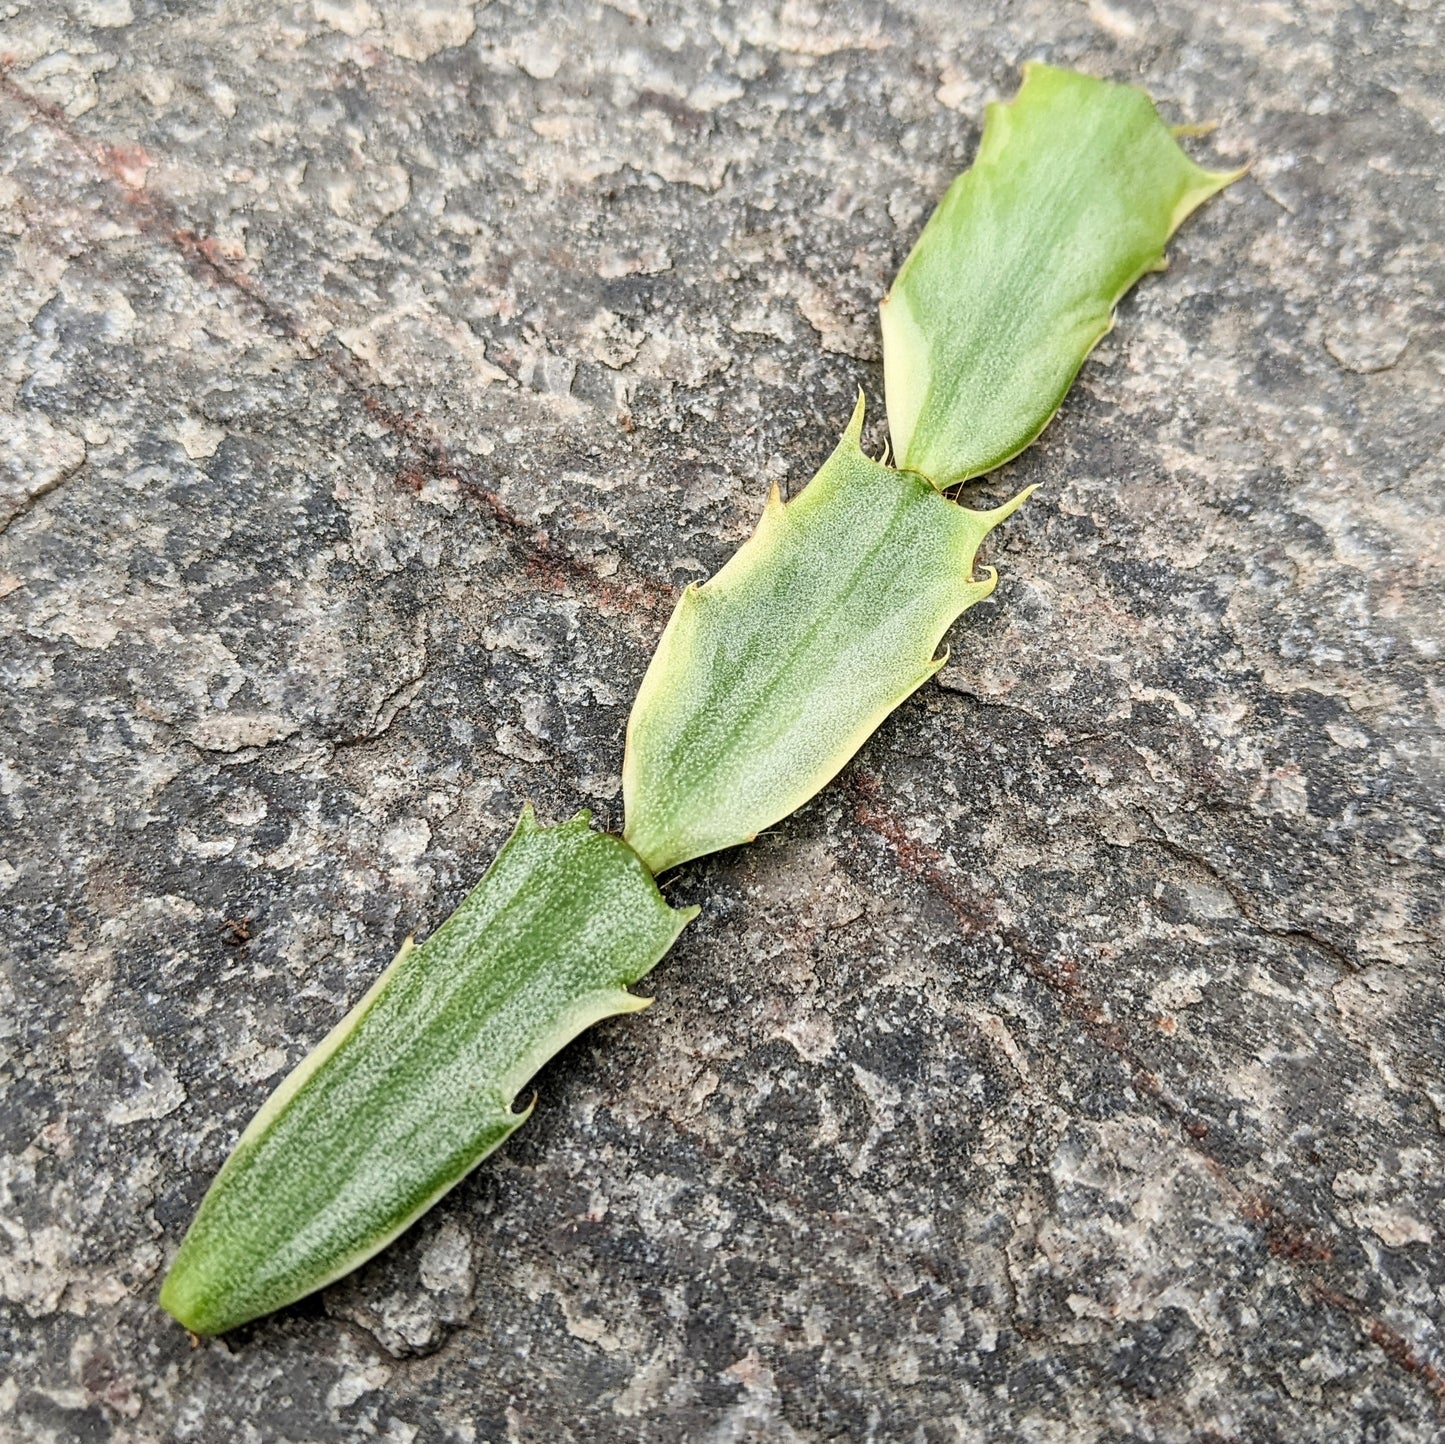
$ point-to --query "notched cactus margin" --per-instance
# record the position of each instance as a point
(770, 676)
(1075, 191)
(415, 1086)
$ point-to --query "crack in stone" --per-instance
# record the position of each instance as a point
(960, 689)
(392, 705)
(32, 499)
(1296, 933)
(1298, 1247)
(1242, 902)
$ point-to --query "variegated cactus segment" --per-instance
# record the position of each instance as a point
(771, 675)
(1077, 186)
(415, 1086)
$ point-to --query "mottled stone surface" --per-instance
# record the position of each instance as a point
(372, 377)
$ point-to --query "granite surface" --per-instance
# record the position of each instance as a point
(373, 376)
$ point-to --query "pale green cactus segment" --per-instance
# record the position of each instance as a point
(1077, 186)
(770, 676)
(415, 1086)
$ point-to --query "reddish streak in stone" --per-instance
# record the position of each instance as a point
(1303, 1249)
(1393, 1344)
(126, 167)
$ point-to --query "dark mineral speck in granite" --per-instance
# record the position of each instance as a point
(373, 377)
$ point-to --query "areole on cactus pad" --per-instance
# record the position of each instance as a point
(766, 681)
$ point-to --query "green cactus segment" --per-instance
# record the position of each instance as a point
(1076, 188)
(766, 681)
(771, 676)
(415, 1086)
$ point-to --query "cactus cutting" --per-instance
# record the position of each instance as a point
(766, 681)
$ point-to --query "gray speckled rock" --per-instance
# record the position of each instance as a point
(372, 377)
